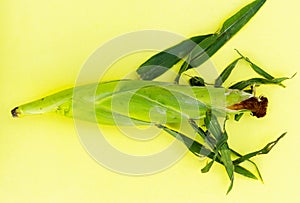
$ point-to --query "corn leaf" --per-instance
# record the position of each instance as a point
(226, 159)
(264, 150)
(242, 171)
(254, 164)
(208, 165)
(213, 144)
(268, 79)
(213, 126)
(226, 72)
(193, 146)
(208, 45)
(200, 150)
(257, 81)
(206, 136)
(218, 147)
(161, 62)
(256, 68)
(212, 44)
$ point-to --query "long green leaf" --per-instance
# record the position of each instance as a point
(218, 147)
(242, 171)
(213, 144)
(257, 81)
(254, 164)
(200, 150)
(226, 159)
(206, 136)
(212, 125)
(225, 73)
(194, 146)
(208, 165)
(264, 150)
(212, 44)
(256, 68)
(161, 62)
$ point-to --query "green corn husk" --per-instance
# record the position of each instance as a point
(130, 101)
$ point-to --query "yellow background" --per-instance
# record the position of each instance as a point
(43, 45)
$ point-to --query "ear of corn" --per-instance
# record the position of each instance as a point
(136, 102)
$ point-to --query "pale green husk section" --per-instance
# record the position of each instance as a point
(128, 102)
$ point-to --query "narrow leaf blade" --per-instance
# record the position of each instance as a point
(256, 68)
(244, 172)
(261, 72)
(204, 135)
(225, 73)
(254, 164)
(257, 81)
(164, 60)
(196, 147)
(213, 126)
(226, 159)
(207, 167)
(264, 150)
(212, 44)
